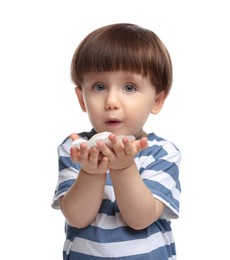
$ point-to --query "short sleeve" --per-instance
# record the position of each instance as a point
(68, 172)
(159, 168)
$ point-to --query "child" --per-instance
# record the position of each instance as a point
(119, 200)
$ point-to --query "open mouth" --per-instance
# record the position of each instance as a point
(113, 122)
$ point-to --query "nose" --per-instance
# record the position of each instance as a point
(112, 101)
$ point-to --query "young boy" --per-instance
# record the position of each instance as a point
(119, 199)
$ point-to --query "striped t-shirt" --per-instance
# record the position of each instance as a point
(108, 237)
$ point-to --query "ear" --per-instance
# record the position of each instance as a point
(159, 102)
(79, 94)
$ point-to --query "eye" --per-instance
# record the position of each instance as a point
(98, 87)
(129, 88)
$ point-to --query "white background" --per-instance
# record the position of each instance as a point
(39, 109)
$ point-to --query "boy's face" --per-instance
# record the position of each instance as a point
(118, 102)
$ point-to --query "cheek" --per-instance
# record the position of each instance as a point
(137, 115)
(89, 104)
(141, 107)
(140, 112)
(93, 109)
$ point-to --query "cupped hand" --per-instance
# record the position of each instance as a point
(91, 161)
(122, 154)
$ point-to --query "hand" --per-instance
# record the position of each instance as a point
(74, 152)
(92, 161)
(122, 154)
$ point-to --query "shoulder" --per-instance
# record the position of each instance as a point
(159, 149)
(155, 140)
(158, 144)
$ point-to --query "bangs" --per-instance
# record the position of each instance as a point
(127, 48)
(112, 56)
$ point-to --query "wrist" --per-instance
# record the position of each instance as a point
(92, 173)
(123, 169)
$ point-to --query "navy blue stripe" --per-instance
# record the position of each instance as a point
(156, 151)
(160, 190)
(109, 207)
(153, 136)
(64, 186)
(66, 162)
(164, 166)
(119, 234)
(109, 180)
(160, 225)
(71, 232)
(167, 167)
(162, 253)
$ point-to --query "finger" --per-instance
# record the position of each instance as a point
(104, 149)
(128, 147)
(100, 156)
(114, 140)
(103, 165)
(142, 144)
(74, 154)
(118, 146)
(84, 153)
(93, 157)
(74, 136)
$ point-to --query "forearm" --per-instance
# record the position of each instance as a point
(81, 203)
(137, 205)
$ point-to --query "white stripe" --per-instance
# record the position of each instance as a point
(64, 175)
(172, 258)
(67, 174)
(144, 161)
(173, 155)
(108, 222)
(169, 211)
(163, 178)
(166, 145)
(109, 193)
(119, 249)
(64, 149)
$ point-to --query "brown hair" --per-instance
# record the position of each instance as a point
(126, 47)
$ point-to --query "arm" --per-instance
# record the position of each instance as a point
(81, 203)
(137, 205)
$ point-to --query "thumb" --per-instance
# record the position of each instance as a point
(142, 144)
(74, 136)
